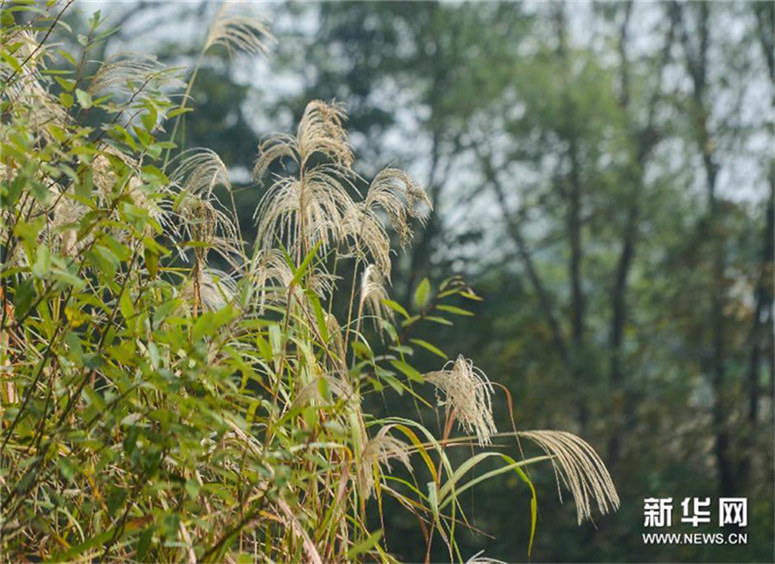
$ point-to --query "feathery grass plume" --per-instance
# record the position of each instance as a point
(216, 288)
(581, 470)
(66, 212)
(399, 197)
(393, 192)
(106, 180)
(316, 205)
(379, 450)
(271, 276)
(304, 211)
(479, 558)
(373, 293)
(200, 171)
(275, 148)
(367, 237)
(313, 206)
(467, 391)
(197, 219)
(237, 32)
(25, 89)
(128, 74)
(321, 130)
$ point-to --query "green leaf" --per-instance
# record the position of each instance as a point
(178, 111)
(74, 343)
(67, 84)
(68, 57)
(42, 266)
(395, 306)
(455, 310)
(299, 274)
(320, 317)
(66, 99)
(143, 543)
(149, 119)
(153, 355)
(439, 320)
(84, 99)
(66, 468)
(422, 294)
(81, 548)
(409, 371)
(151, 262)
(362, 351)
(14, 64)
(364, 546)
(429, 347)
(126, 306)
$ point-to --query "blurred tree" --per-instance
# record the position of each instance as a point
(559, 146)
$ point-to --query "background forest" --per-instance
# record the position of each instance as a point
(601, 174)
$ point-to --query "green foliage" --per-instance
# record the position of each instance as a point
(155, 408)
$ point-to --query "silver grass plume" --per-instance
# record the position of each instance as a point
(271, 277)
(309, 210)
(372, 294)
(196, 213)
(106, 180)
(66, 212)
(199, 171)
(313, 206)
(127, 74)
(216, 288)
(393, 193)
(580, 469)
(367, 237)
(321, 130)
(237, 32)
(479, 558)
(467, 391)
(379, 451)
(26, 88)
(199, 219)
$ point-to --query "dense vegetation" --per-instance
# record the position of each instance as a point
(602, 174)
(178, 388)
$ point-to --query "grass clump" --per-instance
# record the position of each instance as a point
(173, 392)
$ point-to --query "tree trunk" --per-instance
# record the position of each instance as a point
(574, 201)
